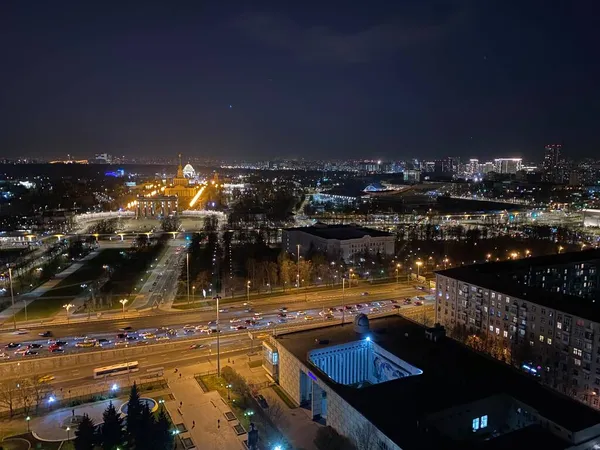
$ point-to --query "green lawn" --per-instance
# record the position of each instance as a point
(66, 290)
(283, 396)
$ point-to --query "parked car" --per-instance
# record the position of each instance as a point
(12, 345)
(45, 334)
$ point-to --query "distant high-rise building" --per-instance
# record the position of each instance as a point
(472, 167)
(487, 167)
(552, 157)
(508, 165)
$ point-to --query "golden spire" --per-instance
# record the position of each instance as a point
(179, 168)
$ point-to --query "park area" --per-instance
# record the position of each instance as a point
(112, 274)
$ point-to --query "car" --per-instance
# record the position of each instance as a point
(31, 353)
(420, 288)
(420, 297)
(282, 320)
(348, 307)
(419, 303)
(189, 327)
(329, 317)
(57, 342)
(393, 302)
(189, 330)
(35, 346)
(172, 332)
(375, 309)
(131, 338)
(308, 317)
(364, 293)
(45, 334)
(249, 322)
(223, 310)
(396, 306)
(4, 355)
(241, 327)
(301, 313)
(262, 401)
(283, 309)
(163, 338)
(200, 327)
(256, 314)
(103, 341)
(120, 343)
(212, 322)
(85, 344)
(407, 301)
(21, 331)
(80, 338)
(12, 345)
(46, 379)
(205, 330)
(122, 336)
(235, 320)
(21, 351)
(248, 310)
(270, 322)
(359, 306)
(57, 350)
(126, 329)
(196, 346)
(282, 314)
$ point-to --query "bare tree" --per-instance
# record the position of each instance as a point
(8, 395)
(38, 389)
(365, 437)
(277, 415)
(24, 396)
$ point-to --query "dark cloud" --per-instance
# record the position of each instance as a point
(326, 44)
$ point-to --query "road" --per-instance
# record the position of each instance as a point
(168, 327)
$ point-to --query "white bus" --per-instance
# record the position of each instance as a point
(117, 369)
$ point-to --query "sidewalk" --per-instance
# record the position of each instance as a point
(22, 300)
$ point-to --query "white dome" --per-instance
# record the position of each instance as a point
(188, 171)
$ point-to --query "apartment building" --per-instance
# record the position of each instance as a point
(541, 311)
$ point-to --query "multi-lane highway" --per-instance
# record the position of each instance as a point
(92, 336)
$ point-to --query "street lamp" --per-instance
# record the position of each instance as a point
(123, 302)
(68, 306)
(397, 273)
(228, 389)
(12, 297)
(193, 294)
(298, 267)
(27, 419)
(419, 264)
(187, 264)
(217, 298)
(67, 430)
(248, 291)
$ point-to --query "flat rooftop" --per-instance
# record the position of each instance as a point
(497, 276)
(453, 375)
(340, 232)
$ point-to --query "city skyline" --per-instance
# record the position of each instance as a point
(452, 78)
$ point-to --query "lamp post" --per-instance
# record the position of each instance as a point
(228, 389)
(27, 419)
(217, 298)
(397, 273)
(298, 267)
(68, 306)
(67, 430)
(187, 264)
(248, 291)
(12, 297)
(419, 264)
(193, 294)
(123, 302)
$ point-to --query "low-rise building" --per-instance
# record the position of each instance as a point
(337, 241)
(393, 385)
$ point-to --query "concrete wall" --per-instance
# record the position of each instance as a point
(24, 367)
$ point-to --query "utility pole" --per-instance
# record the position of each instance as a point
(187, 263)
(218, 340)
(12, 297)
(298, 267)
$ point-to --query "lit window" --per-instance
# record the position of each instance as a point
(559, 325)
(476, 424)
(549, 340)
(491, 327)
(577, 361)
(484, 421)
(541, 338)
(505, 333)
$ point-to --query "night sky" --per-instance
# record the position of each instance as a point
(330, 79)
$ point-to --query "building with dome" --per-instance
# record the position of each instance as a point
(180, 188)
(188, 171)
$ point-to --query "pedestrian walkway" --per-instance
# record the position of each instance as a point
(53, 426)
(203, 415)
(26, 299)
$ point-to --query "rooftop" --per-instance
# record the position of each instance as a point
(452, 375)
(340, 232)
(497, 276)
